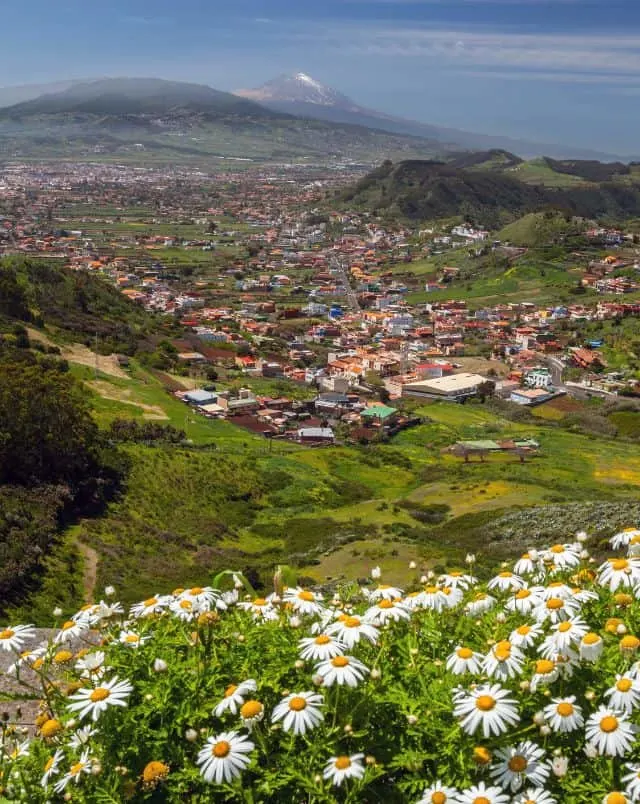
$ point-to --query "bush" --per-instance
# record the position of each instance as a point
(444, 685)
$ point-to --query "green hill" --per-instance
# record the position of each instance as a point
(540, 229)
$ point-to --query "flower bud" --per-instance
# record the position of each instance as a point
(545, 731)
(412, 565)
(376, 572)
(295, 622)
(412, 720)
(559, 766)
(109, 591)
(57, 612)
(191, 735)
(375, 673)
(299, 664)
(159, 666)
(539, 718)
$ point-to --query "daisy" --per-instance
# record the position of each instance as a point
(20, 749)
(104, 611)
(524, 636)
(303, 601)
(503, 661)
(51, 767)
(464, 660)
(617, 572)
(299, 712)
(534, 795)
(518, 764)
(28, 658)
(152, 605)
(524, 600)
(563, 714)
(556, 609)
(457, 579)
(616, 797)
(204, 597)
(251, 712)
(591, 646)
(385, 611)
(481, 794)
(568, 633)
(260, 608)
(453, 596)
(438, 794)
(545, 672)
(131, 639)
(351, 629)
(563, 556)
(185, 609)
(224, 757)
(480, 604)
(234, 697)
(81, 737)
(74, 774)
(525, 565)
(624, 695)
(632, 781)
(487, 707)
(505, 581)
(624, 537)
(385, 592)
(609, 732)
(73, 629)
(94, 701)
(320, 648)
(342, 670)
(340, 768)
(14, 638)
(91, 665)
(433, 597)
(556, 589)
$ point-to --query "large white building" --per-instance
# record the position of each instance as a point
(455, 387)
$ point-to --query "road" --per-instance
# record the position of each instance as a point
(556, 367)
(352, 297)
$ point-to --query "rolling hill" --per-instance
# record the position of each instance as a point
(486, 189)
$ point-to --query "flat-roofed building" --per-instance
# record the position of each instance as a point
(455, 388)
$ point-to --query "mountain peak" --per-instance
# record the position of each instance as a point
(299, 88)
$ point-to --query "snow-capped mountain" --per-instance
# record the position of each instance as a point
(299, 88)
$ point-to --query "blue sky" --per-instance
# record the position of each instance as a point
(553, 70)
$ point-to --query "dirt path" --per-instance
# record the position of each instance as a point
(90, 570)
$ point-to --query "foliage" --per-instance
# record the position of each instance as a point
(146, 432)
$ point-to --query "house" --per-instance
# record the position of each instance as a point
(538, 378)
(199, 397)
(455, 388)
(379, 415)
(530, 396)
(315, 435)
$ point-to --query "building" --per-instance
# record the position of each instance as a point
(530, 396)
(456, 388)
(538, 378)
(379, 415)
(315, 435)
(200, 398)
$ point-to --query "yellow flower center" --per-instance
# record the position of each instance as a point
(196, 590)
(609, 724)
(523, 630)
(63, 656)
(544, 667)
(438, 797)
(74, 770)
(305, 594)
(485, 703)
(464, 653)
(480, 800)
(259, 601)
(505, 574)
(624, 685)
(616, 798)
(351, 622)
(340, 661)
(50, 728)
(230, 690)
(629, 642)
(323, 639)
(342, 763)
(518, 764)
(557, 548)
(565, 709)
(481, 755)
(564, 627)
(297, 704)
(618, 564)
(186, 604)
(522, 594)
(221, 749)
(7, 633)
(132, 638)
(251, 709)
(591, 638)
(69, 624)
(99, 694)
(49, 764)
(386, 604)
(623, 599)
(150, 601)
(431, 590)
(154, 771)
(555, 603)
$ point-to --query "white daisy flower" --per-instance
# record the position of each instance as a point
(563, 714)
(563, 556)
(13, 638)
(617, 573)
(104, 611)
(591, 647)
(414, 600)
(385, 611)
(453, 596)
(320, 648)
(224, 757)
(152, 605)
(91, 665)
(95, 701)
(480, 604)
(51, 767)
(73, 629)
(234, 697)
(433, 598)
(583, 595)
(487, 708)
(438, 793)
(457, 580)
(624, 695)
(350, 629)
(556, 609)
(260, 607)
(205, 597)
(610, 732)
(546, 671)
(524, 636)
(385, 592)
(518, 764)
(623, 538)
(304, 601)
(616, 797)
(524, 600)
(299, 712)
(28, 658)
(505, 581)
(567, 633)
(75, 772)
(556, 589)
(534, 795)
(81, 737)
(503, 661)
(525, 565)
(631, 780)
(464, 660)
(340, 768)
(481, 794)
(251, 712)
(131, 639)
(185, 609)
(20, 749)
(342, 670)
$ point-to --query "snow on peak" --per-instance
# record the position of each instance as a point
(307, 79)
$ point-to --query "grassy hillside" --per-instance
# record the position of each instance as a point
(540, 229)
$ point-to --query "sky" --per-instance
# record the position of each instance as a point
(558, 71)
